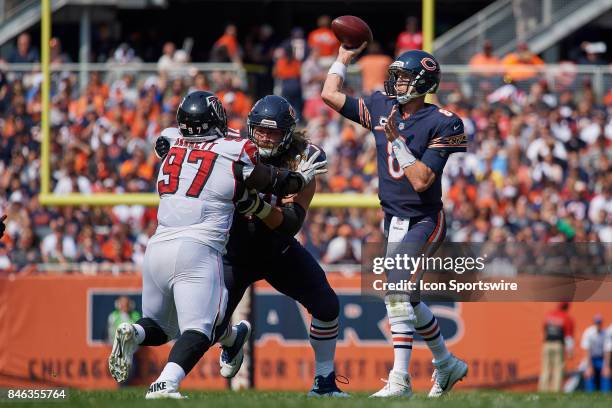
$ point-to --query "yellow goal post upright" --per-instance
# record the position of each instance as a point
(48, 198)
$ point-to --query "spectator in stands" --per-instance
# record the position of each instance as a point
(226, 48)
(323, 40)
(593, 344)
(522, 64)
(409, 39)
(344, 248)
(58, 247)
(103, 43)
(297, 42)
(124, 54)
(166, 61)
(313, 73)
(287, 71)
(592, 53)
(56, 55)
(24, 52)
(374, 66)
(485, 60)
(559, 335)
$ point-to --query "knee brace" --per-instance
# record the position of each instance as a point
(399, 308)
(189, 349)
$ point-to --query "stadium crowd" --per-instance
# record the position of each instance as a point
(538, 166)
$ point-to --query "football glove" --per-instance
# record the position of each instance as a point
(252, 204)
(308, 169)
(162, 147)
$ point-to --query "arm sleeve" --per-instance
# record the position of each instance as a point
(293, 218)
(449, 138)
(270, 179)
(358, 110)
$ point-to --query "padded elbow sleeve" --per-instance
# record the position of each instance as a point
(293, 218)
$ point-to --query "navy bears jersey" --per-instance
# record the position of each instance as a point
(431, 134)
(250, 237)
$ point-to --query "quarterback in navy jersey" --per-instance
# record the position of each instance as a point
(413, 142)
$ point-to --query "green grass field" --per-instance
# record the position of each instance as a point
(134, 398)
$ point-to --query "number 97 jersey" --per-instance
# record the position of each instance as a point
(198, 187)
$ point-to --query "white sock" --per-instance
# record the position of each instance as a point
(229, 337)
(427, 327)
(323, 336)
(402, 333)
(140, 333)
(172, 372)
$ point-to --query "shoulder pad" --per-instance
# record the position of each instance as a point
(171, 133)
(231, 132)
(312, 149)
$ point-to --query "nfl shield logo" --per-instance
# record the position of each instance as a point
(401, 126)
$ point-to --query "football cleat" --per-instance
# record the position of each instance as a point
(326, 387)
(398, 385)
(446, 374)
(124, 347)
(231, 357)
(163, 390)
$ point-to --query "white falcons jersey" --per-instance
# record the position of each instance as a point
(197, 185)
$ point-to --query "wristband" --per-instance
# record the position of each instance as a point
(339, 69)
(264, 211)
(401, 152)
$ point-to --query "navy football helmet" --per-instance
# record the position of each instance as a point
(273, 112)
(423, 71)
(201, 116)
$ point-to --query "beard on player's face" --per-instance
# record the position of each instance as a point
(267, 138)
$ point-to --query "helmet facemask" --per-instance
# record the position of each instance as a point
(416, 84)
(270, 149)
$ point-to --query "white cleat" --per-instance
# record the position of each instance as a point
(163, 390)
(124, 347)
(446, 374)
(231, 358)
(398, 385)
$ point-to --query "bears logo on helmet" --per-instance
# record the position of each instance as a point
(423, 71)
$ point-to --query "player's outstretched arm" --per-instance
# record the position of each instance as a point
(332, 88)
(418, 173)
(282, 182)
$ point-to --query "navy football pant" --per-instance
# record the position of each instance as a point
(414, 236)
(292, 272)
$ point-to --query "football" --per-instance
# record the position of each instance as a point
(351, 31)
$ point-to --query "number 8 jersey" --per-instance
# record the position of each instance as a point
(198, 187)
